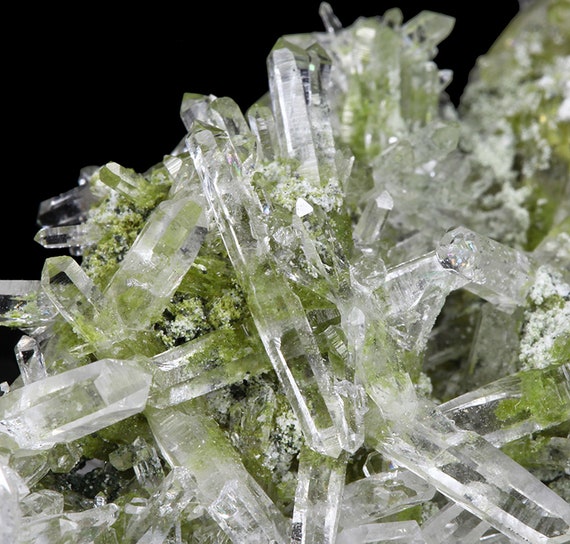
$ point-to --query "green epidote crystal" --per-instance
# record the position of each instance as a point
(341, 316)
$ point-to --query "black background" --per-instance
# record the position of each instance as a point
(84, 86)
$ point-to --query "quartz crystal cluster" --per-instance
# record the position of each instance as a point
(340, 316)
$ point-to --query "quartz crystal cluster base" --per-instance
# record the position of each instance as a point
(341, 316)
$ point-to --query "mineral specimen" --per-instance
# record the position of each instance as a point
(341, 316)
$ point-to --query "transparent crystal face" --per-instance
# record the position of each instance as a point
(339, 317)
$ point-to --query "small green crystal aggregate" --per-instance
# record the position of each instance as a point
(352, 292)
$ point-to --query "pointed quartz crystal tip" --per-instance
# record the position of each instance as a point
(70, 207)
(30, 360)
(496, 272)
(68, 236)
(157, 261)
(222, 158)
(190, 438)
(320, 485)
(23, 304)
(75, 403)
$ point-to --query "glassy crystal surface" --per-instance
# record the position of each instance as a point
(494, 271)
(514, 406)
(339, 316)
(319, 492)
(30, 360)
(278, 313)
(379, 495)
(75, 403)
(23, 304)
(402, 532)
(232, 497)
(157, 261)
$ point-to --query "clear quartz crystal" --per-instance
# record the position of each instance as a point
(44, 501)
(70, 527)
(416, 291)
(70, 207)
(496, 272)
(370, 499)
(191, 439)
(125, 181)
(328, 196)
(262, 124)
(369, 226)
(75, 403)
(76, 297)
(23, 304)
(289, 69)
(397, 532)
(68, 236)
(277, 311)
(495, 347)
(514, 406)
(173, 499)
(187, 371)
(320, 485)
(454, 525)
(466, 468)
(12, 491)
(30, 360)
(157, 261)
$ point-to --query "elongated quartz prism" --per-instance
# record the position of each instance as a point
(479, 477)
(319, 491)
(195, 368)
(454, 525)
(189, 438)
(496, 272)
(514, 406)
(75, 403)
(68, 236)
(157, 261)
(96, 319)
(397, 532)
(23, 304)
(370, 499)
(277, 311)
(70, 207)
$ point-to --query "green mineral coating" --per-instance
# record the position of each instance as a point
(516, 92)
(150, 188)
(413, 513)
(208, 298)
(531, 450)
(26, 311)
(65, 341)
(280, 183)
(128, 430)
(561, 349)
(540, 399)
(120, 224)
(542, 208)
(269, 442)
